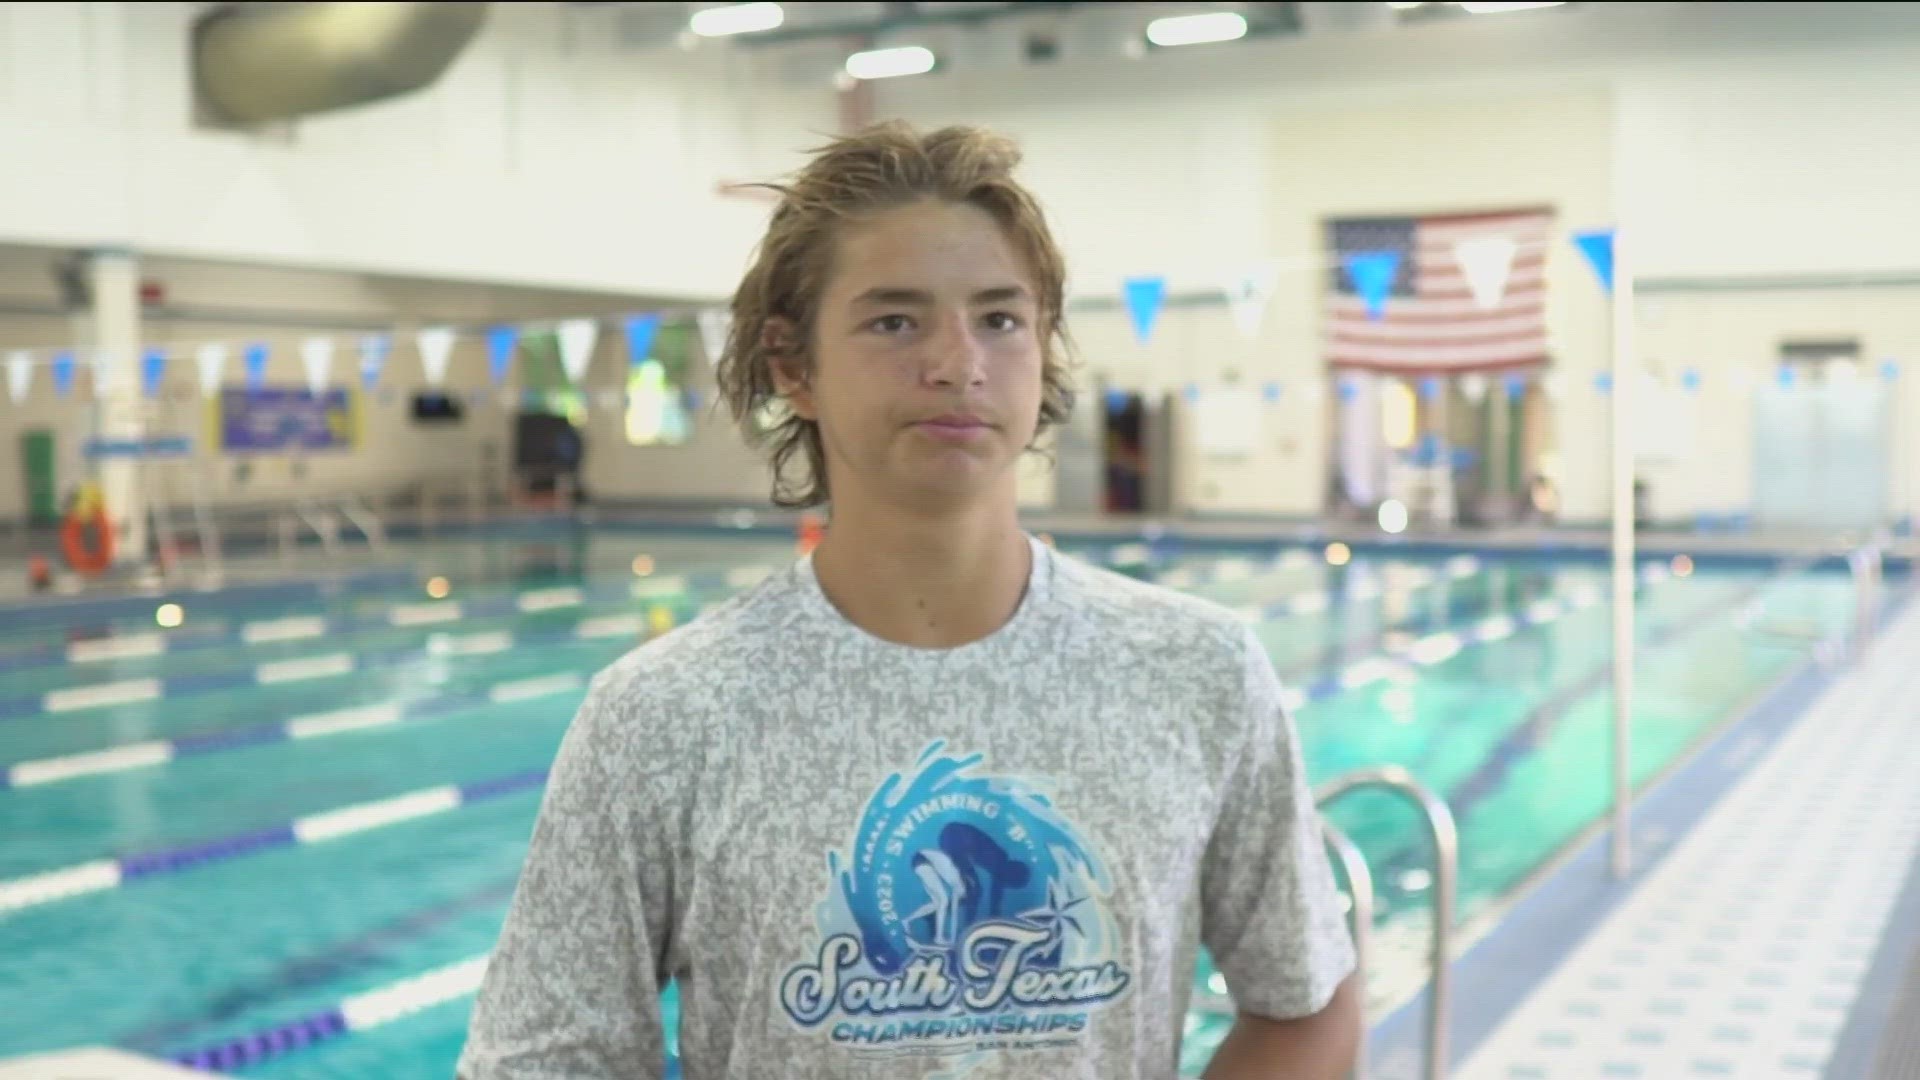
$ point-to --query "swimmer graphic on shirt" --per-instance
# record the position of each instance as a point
(969, 915)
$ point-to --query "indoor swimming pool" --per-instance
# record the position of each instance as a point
(278, 837)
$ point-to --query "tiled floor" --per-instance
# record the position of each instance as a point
(1742, 953)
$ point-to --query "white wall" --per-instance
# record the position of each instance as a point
(1732, 139)
(554, 152)
(1732, 340)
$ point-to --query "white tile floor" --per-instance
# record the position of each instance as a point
(1741, 954)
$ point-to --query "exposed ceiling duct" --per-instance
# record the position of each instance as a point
(264, 63)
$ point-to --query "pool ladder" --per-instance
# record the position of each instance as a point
(1446, 847)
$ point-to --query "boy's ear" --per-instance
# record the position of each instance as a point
(780, 341)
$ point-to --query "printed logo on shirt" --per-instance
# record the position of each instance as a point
(968, 917)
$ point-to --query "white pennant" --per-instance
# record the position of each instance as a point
(714, 325)
(1473, 386)
(19, 375)
(1487, 261)
(1249, 293)
(576, 347)
(316, 353)
(212, 362)
(436, 346)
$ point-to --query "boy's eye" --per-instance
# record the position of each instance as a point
(1003, 320)
(891, 324)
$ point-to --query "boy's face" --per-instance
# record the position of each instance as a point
(926, 359)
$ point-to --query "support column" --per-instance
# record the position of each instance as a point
(113, 339)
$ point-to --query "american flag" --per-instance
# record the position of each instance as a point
(1432, 325)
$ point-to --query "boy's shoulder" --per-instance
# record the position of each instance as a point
(1109, 602)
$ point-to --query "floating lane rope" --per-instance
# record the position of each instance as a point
(141, 644)
(360, 1012)
(321, 666)
(102, 874)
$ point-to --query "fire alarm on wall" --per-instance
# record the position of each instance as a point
(152, 293)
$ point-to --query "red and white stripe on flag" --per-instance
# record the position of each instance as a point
(1432, 323)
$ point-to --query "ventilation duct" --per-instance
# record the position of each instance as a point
(262, 63)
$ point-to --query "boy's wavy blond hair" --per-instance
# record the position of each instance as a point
(882, 167)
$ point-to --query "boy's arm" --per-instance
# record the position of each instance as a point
(1270, 914)
(572, 989)
(1321, 1046)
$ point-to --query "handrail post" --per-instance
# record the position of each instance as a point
(1360, 888)
(1446, 844)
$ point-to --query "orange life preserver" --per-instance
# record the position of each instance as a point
(87, 513)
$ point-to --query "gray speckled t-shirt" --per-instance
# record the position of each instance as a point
(864, 859)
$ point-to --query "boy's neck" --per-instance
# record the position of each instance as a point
(932, 581)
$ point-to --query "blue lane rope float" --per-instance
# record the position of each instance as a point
(360, 1012)
(1424, 651)
(102, 874)
(281, 629)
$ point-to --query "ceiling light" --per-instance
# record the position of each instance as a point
(1197, 29)
(1520, 5)
(890, 63)
(736, 19)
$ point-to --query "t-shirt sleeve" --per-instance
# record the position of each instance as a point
(572, 990)
(1270, 913)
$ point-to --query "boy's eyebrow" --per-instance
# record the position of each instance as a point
(895, 294)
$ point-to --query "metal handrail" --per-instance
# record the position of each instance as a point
(1868, 566)
(1446, 845)
(366, 521)
(1360, 888)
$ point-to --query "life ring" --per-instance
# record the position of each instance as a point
(88, 513)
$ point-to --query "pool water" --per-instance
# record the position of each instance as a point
(1487, 679)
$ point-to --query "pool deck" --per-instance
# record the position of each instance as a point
(1770, 940)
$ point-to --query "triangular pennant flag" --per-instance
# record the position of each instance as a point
(212, 361)
(1144, 297)
(1271, 392)
(1430, 389)
(153, 368)
(500, 344)
(1516, 387)
(1249, 293)
(1372, 274)
(436, 346)
(373, 359)
(1690, 379)
(577, 337)
(254, 362)
(1487, 262)
(1473, 386)
(1349, 387)
(316, 355)
(1890, 370)
(640, 332)
(63, 373)
(1597, 246)
(1603, 382)
(715, 324)
(96, 365)
(19, 375)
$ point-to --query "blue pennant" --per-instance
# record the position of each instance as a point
(1372, 274)
(255, 362)
(153, 368)
(1597, 246)
(640, 332)
(1145, 295)
(500, 344)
